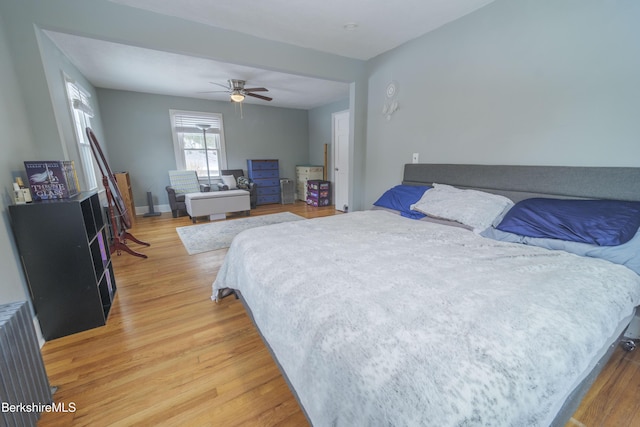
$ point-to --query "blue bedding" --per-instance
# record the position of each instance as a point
(598, 222)
(401, 197)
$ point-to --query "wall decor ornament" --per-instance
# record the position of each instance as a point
(390, 103)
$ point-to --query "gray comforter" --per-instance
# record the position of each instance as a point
(378, 320)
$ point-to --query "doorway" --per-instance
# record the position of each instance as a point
(340, 142)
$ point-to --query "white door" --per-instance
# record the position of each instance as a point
(340, 123)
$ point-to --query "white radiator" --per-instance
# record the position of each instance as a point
(24, 386)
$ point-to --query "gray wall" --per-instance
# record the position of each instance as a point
(16, 142)
(546, 82)
(57, 66)
(138, 129)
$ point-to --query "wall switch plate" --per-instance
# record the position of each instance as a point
(414, 159)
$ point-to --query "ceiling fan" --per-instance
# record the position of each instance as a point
(238, 92)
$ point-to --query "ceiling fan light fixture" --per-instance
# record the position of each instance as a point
(236, 96)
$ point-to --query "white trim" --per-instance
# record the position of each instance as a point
(78, 101)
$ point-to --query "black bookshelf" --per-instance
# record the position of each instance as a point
(64, 248)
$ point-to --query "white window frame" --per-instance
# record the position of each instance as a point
(183, 121)
(81, 114)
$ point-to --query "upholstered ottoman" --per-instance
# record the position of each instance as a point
(217, 202)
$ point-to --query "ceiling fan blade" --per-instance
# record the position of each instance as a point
(219, 84)
(214, 91)
(256, 89)
(266, 98)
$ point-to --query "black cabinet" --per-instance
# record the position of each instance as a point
(266, 175)
(64, 250)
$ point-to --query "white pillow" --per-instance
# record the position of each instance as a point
(474, 208)
(230, 181)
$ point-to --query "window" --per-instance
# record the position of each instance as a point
(82, 113)
(193, 151)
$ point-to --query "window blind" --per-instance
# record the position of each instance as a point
(79, 99)
(187, 123)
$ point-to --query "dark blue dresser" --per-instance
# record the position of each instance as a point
(266, 175)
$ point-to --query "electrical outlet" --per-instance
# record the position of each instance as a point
(414, 159)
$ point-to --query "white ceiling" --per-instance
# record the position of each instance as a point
(381, 26)
(123, 67)
(319, 24)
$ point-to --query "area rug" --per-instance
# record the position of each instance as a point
(219, 235)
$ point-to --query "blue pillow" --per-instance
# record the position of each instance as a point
(599, 222)
(627, 254)
(401, 197)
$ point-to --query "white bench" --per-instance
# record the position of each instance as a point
(217, 202)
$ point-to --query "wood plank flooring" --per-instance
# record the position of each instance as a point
(169, 356)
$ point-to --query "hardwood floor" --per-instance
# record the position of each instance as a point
(613, 398)
(170, 356)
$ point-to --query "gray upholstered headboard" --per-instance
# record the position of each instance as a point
(521, 182)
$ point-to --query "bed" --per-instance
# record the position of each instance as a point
(379, 319)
